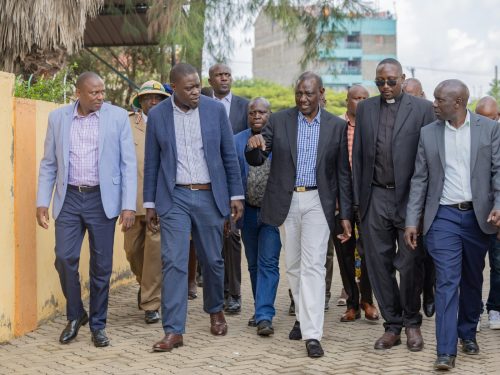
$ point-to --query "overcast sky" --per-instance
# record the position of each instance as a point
(441, 38)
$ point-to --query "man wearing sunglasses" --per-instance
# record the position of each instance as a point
(385, 145)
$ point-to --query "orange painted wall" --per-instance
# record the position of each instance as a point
(24, 223)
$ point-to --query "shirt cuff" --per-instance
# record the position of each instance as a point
(149, 205)
(238, 198)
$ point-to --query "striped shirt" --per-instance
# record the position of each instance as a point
(307, 150)
(191, 164)
(350, 136)
(84, 149)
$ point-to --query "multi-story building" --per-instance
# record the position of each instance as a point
(366, 41)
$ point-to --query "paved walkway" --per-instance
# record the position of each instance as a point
(348, 346)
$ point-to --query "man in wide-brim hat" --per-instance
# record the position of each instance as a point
(142, 246)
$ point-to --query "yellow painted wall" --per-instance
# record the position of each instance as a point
(7, 298)
(44, 299)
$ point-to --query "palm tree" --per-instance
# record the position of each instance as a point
(36, 36)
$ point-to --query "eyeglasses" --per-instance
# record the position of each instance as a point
(390, 82)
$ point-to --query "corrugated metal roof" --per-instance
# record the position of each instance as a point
(112, 28)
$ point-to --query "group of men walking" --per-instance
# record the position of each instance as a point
(415, 187)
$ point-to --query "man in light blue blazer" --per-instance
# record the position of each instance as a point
(192, 182)
(90, 158)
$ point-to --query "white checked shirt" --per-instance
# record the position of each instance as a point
(307, 150)
(226, 101)
(457, 186)
(191, 164)
(84, 149)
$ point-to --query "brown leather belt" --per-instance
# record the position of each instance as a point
(84, 188)
(196, 186)
(301, 189)
(462, 206)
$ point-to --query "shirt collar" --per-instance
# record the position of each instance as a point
(316, 119)
(77, 115)
(177, 109)
(396, 99)
(464, 125)
(348, 120)
(227, 98)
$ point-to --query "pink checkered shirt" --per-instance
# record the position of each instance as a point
(350, 136)
(84, 149)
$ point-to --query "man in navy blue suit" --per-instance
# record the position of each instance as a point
(192, 182)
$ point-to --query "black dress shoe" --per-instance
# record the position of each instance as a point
(233, 305)
(444, 362)
(252, 322)
(295, 333)
(470, 347)
(314, 349)
(71, 329)
(265, 328)
(151, 316)
(429, 309)
(99, 338)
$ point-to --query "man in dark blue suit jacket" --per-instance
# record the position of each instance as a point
(192, 182)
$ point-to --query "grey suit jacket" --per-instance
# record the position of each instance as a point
(333, 176)
(413, 113)
(428, 179)
(238, 114)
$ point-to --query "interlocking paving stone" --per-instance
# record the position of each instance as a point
(348, 346)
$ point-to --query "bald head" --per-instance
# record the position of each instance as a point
(259, 111)
(488, 107)
(450, 102)
(86, 77)
(181, 70)
(413, 86)
(355, 94)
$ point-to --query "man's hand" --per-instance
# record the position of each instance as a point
(494, 217)
(127, 219)
(346, 225)
(42, 217)
(236, 210)
(152, 220)
(257, 141)
(411, 235)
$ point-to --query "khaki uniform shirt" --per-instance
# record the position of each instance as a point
(139, 134)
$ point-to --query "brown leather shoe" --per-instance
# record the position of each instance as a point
(218, 325)
(371, 312)
(350, 315)
(414, 340)
(170, 341)
(387, 341)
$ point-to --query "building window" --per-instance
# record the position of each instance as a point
(353, 40)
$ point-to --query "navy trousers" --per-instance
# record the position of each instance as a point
(193, 212)
(458, 247)
(84, 212)
(494, 295)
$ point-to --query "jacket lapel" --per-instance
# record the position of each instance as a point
(324, 138)
(475, 132)
(66, 133)
(404, 110)
(103, 119)
(205, 128)
(440, 143)
(168, 125)
(292, 128)
(375, 114)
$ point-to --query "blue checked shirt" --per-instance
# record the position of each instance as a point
(307, 150)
